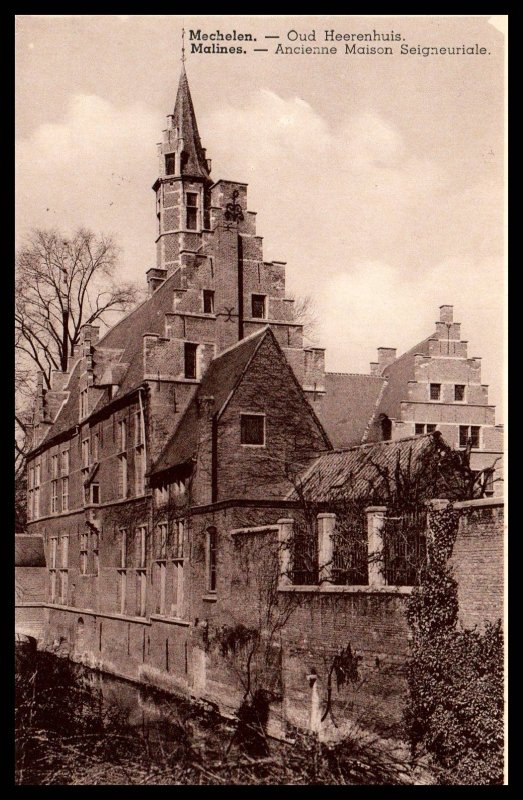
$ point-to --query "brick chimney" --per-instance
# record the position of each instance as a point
(386, 355)
(155, 278)
(446, 313)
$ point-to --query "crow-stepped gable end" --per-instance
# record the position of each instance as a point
(199, 438)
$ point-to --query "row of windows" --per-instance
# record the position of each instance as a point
(459, 392)
(467, 433)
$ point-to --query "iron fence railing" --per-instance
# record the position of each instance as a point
(350, 551)
(304, 555)
(404, 547)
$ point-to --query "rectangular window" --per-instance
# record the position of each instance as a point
(162, 540)
(123, 548)
(435, 391)
(96, 447)
(178, 546)
(54, 467)
(139, 471)
(489, 485)
(177, 607)
(258, 306)
(191, 202)
(86, 454)
(138, 429)
(64, 548)
(474, 436)
(64, 585)
(36, 492)
(208, 301)
(122, 475)
(95, 493)
(419, 429)
(122, 435)
(54, 550)
(252, 429)
(54, 497)
(83, 553)
(141, 592)
(65, 494)
(162, 579)
(122, 590)
(211, 559)
(95, 547)
(169, 163)
(190, 359)
(84, 405)
(459, 392)
(52, 580)
(471, 432)
(65, 462)
(141, 544)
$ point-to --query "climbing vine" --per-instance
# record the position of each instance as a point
(455, 677)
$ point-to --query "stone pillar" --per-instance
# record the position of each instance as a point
(326, 524)
(375, 525)
(285, 531)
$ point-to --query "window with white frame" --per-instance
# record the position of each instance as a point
(95, 447)
(64, 466)
(54, 466)
(141, 592)
(53, 552)
(141, 547)
(64, 571)
(139, 455)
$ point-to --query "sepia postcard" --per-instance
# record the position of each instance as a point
(260, 311)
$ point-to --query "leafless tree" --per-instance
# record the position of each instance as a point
(306, 314)
(61, 284)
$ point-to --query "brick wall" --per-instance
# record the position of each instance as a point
(478, 561)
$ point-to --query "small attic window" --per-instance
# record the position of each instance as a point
(169, 164)
(252, 429)
(208, 301)
(258, 306)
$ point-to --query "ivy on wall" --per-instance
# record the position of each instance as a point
(454, 711)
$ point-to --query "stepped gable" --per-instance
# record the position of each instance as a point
(398, 374)
(127, 337)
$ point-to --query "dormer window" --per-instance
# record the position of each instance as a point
(169, 164)
(191, 203)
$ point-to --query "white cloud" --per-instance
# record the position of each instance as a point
(380, 234)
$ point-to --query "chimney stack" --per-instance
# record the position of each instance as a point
(446, 314)
(386, 355)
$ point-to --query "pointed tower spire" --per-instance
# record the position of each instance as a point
(192, 155)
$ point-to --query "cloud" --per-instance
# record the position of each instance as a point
(379, 232)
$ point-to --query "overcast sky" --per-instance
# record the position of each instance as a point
(378, 179)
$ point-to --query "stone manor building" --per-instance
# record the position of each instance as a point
(190, 422)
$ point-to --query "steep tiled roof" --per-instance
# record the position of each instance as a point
(185, 121)
(29, 550)
(349, 405)
(398, 374)
(127, 336)
(355, 473)
(219, 381)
